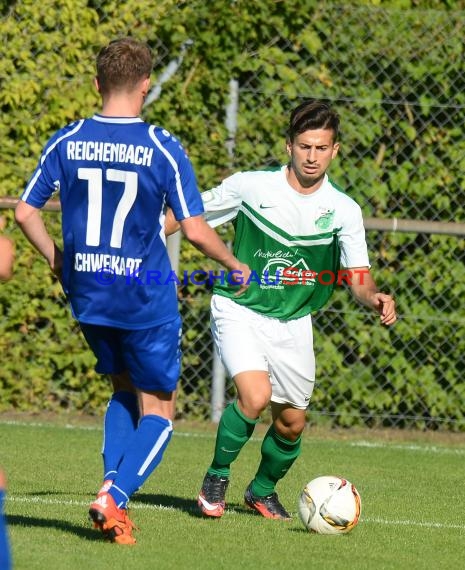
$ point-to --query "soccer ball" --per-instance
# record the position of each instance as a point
(329, 505)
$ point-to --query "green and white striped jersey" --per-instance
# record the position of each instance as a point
(295, 244)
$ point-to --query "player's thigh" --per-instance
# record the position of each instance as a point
(236, 336)
(105, 343)
(292, 362)
(153, 356)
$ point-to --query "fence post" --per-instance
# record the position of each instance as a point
(173, 247)
(218, 387)
(218, 371)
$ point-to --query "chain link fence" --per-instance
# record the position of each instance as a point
(398, 82)
(397, 146)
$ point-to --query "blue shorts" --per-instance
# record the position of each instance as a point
(151, 356)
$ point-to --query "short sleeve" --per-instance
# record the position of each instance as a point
(222, 202)
(354, 251)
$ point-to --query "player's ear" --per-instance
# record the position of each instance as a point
(289, 147)
(96, 83)
(145, 86)
(335, 150)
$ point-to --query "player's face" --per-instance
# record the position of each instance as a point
(311, 153)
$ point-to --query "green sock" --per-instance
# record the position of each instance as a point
(278, 455)
(234, 431)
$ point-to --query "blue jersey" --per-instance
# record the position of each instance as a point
(115, 177)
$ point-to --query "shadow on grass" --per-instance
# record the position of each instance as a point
(25, 521)
(68, 492)
(188, 506)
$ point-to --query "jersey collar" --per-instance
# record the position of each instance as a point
(117, 120)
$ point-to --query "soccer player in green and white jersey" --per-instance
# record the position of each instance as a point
(295, 229)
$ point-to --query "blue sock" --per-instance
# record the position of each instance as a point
(5, 556)
(120, 424)
(143, 453)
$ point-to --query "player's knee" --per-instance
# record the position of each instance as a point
(291, 435)
(290, 430)
(253, 405)
(296, 432)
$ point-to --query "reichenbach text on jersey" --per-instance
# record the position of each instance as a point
(109, 152)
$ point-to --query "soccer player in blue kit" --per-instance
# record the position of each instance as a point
(5, 551)
(116, 175)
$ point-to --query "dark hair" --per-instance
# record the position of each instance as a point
(310, 115)
(122, 64)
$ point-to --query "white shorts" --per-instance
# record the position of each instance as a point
(247, 340)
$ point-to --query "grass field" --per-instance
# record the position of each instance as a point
(412, 489)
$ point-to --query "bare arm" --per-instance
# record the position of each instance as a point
(206, 240)
(171, 223)
(365, 291)
(30, 221)
(7, 255)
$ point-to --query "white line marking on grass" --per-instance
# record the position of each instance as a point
(423, 524)
(71, 502)
(49, 426)
(408, 447)
(199, 435)
(231, 512)
(40, 500)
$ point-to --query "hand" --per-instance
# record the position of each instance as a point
(386, 307)
(241, 276)
(56, 263)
